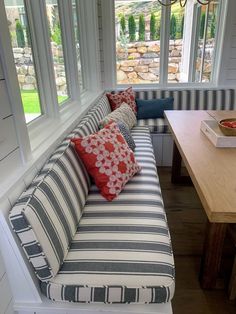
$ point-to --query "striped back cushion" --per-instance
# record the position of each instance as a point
(94, 116)
(194, 99)
(45, 217)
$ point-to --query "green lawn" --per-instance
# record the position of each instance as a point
(31, 103)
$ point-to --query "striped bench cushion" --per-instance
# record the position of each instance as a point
(121, 252)
(46, 215)
(94, 116)
(158, 125)
(194, 99)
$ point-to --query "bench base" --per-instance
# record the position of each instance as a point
(49, 307)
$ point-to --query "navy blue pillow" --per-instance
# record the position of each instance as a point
(154, 108)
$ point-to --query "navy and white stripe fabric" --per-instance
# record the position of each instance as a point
(158, 125)
(194, 99)
(121, 252)
(94, 116)
(46, 216)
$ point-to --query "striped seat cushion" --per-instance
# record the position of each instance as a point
(158, 125)
(121, 252)
(46, 216)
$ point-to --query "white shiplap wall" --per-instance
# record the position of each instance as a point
(10, 157)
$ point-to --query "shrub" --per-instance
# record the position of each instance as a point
(122, 24)
(152, 27)
(158, 32)
(213, 26)
(141, 28)
(202, 25)
(172, 27)
(56, 35)
(20, 37)
(132, 28)
(182, 27)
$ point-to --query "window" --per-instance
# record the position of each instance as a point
(55, 33)
(24, 59)
(75, 8)
(165, 45)
(206, 41)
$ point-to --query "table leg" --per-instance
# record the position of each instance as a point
(212, 254)
(176, 176)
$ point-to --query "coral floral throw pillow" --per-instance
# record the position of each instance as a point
(127, 96)
(108, 159)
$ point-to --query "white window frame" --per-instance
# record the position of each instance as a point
(109, 51)
(35, 137)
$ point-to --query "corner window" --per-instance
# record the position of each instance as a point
(20, 34)
(182, 52)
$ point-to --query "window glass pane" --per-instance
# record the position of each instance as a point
(75, 8)
(137, 26)
(208, 18)
(57, 50)
(23, 57)
(177, 18)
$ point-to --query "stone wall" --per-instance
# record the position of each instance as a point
(139, 62)
(26, 72)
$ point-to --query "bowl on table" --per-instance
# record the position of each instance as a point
(228, 126)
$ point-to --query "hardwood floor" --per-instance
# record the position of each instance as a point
(187, 222)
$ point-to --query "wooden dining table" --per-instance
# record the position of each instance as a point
(213, 172)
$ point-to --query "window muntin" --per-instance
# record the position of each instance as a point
(24, 59)
(55, 33)
(185, 62)
(138, 28)
(75, 10)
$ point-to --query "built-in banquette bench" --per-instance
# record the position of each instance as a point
(79, 247)
(189, 99)
(117, 252)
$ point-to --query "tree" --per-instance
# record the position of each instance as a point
(152, 27)
(28, 35)
(122, 24)
(132, 28)
(158, 32)
(202, 24)
(20, 37)
(172, 27)
(213, 26)
(141, 28)
(182, 27)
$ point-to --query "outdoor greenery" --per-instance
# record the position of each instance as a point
(153, 27)
(56, 34)
(202, 24)
(123, 24)
(173, 27)
(20, 37)
(132, 28)
(213, 26)
(141, 28)
(30, 100)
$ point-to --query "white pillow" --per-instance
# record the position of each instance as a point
(124, 114)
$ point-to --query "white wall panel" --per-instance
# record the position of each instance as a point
(10, 163)
(8, 141)
(1, 71)
(5, 294)
(5, 108)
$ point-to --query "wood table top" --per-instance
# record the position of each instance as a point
(212, 170)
